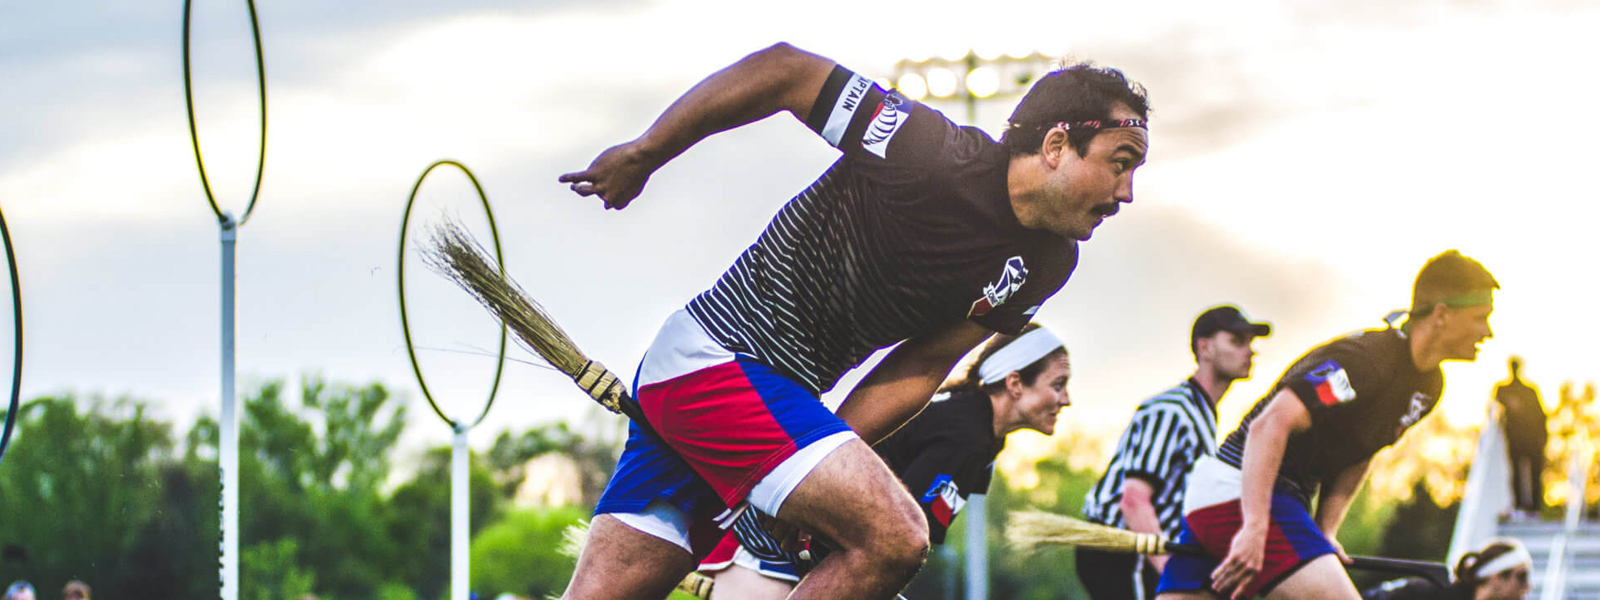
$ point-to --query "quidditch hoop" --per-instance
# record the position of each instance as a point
(16, 313)
(405, 324)
(194, 136)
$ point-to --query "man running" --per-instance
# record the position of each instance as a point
(1313, 436)
(1142, 488)
(925, 234)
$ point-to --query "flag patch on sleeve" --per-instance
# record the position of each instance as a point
(1331, 383)
(943, 499)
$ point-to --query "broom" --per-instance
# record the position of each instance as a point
(575, 536)
(1032, 529)
(455, 255)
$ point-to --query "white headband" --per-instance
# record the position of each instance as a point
(1505, 562)
(1017, 355)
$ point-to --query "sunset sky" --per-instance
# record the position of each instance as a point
(1306, 158)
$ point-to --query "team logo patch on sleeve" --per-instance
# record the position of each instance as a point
(1332, 383)
(943, 499)
(995, 294)
(892, 112)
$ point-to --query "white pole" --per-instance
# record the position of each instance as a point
(977, 548)
(459, 497)
(228, 461)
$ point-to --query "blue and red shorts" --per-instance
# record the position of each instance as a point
(731, 429)
(1293, 538)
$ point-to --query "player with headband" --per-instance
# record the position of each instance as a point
(924, 235)
(1499, 571)
(1313, 435)
(942, 456)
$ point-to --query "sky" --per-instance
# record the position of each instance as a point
(1306, 159)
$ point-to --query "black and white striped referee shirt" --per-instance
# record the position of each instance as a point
(911, 231)
(1168, 433)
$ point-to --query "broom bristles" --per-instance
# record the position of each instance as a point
(573, 538)
(1032, 529)
(458, 257)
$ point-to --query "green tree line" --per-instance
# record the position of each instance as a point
(98, 490)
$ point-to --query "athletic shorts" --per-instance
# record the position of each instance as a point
(732, 430)
(729, 552)
(1293, 538)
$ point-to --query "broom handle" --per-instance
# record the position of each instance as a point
(1432, 571)
(606, 388)
(697, 585)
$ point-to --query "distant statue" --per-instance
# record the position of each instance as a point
(1526, 436)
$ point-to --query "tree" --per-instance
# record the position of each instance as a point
(77, 488)
(418, 520)
(314, 478)
(521, 554)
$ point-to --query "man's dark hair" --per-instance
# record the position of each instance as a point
(1079, 92)
(1448, 275)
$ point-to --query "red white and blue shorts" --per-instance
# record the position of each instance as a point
(729, 552)
(1212, 517)
(732, 430)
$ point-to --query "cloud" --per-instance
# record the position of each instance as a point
(1126, 314)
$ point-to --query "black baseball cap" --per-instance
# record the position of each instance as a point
(1226, 318)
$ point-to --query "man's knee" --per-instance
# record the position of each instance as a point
(902, 542)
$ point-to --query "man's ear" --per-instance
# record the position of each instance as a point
(1054, 147)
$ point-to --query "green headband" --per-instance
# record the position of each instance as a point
(1473, 298)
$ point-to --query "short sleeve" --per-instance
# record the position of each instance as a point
(1333, 378)
(941, 477)
(1157, 441)
(879, 128)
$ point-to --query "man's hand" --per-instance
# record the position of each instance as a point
(617, 175)
(1339, 549)
(1245, 557)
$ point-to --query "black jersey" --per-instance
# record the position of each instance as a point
(945, 454)
(1415, 588)
(1363, 392)
(910, 231)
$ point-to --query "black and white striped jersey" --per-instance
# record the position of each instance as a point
(910, 231)
(1363, 392)
(1167, 434)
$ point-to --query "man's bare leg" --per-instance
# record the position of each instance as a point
(1324, 578)
(739, 583)
(623, 563)
(852, 499)
(1189, 595)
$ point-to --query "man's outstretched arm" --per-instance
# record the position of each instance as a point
(900, 386)
(778, 78)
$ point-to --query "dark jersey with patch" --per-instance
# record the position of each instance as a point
(945, 454)
(1363, 392)
(910, 231)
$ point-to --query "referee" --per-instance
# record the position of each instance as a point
(1142, 488)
